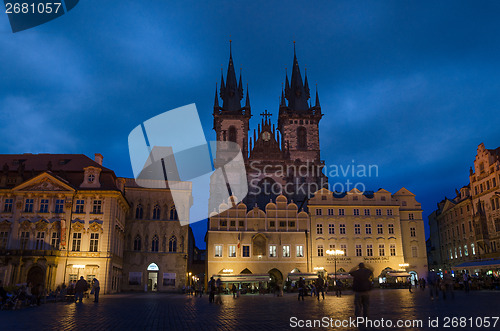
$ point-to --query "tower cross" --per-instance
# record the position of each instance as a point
(265, 114)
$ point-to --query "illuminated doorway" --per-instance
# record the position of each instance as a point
(153, 277)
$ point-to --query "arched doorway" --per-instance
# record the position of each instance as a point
(276, 277)
(413, 277)
(36, 276)
(153, 277)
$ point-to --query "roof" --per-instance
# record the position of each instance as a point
(66, 167)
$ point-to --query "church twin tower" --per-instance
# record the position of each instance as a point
(283, 161)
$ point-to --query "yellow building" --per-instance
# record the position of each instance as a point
(62, 216)
(249, 247)
(383, 230)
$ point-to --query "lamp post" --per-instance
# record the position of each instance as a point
(335, 253)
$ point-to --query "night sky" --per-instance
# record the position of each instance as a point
(409, 86)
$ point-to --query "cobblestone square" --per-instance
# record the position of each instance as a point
(150, 311)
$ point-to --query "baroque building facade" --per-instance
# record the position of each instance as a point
(465, 230)
(63, 216)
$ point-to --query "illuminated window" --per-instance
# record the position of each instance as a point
(80, 204)
(44, 205)
(473, 249)
(94, 242)
(286, 251)
(272, 251)
(218, 250)
(300, 251)
(466, 251)
(40, 240)
(232, 250)
(246, 250)
(28, 206)
(77, 239)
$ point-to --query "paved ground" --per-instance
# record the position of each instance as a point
(143, 311)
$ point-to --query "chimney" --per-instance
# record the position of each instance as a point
(98, 158)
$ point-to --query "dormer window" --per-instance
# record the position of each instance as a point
(91, 178)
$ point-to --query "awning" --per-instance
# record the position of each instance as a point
(485, 264)
(305, 276)
(243, 278)
(398, 274)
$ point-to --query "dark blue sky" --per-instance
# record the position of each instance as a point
(410, 86)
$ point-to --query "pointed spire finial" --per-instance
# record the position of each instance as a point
(317, 97)
(247, 102)
(216, 101)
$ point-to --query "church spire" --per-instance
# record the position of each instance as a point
(296, 94)
(216, 101)
(306, 84)
(231, 93)
(247, 102)
(317, 98)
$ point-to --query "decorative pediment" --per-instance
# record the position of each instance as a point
(96, 227)
(25, 225)
(77, 226)
(41, 225)
(44, 182)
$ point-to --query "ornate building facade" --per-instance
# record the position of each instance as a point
(466, 233)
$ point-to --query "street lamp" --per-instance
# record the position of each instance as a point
(335, 253)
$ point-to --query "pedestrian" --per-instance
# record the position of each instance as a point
(218, 297)
(233, 289)
(211, 290)
(95, 289)
(362, 284)
(302, 288)
(338, 288)
(409, 284)
(466, 282)
(320, 283)
(433, 281)
(80, 287)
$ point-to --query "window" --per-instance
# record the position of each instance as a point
(391, 228)
(410, 216)
(330, 211)
(40, 239)
(94, 242)
(137, 244)
(380, 229)
(367, 212)
(381, 250)
(97, 207)
(318, 211)
(77, 238)
(344, 248)
(414, 251)
(232, 250)
(286, 251)
(342, 229)
(378, 212)
(232, 223)
(460, 251)
(301, 137)
(80, 204)
(246, 250)
(59, 206)
(320, 250)
(232, 134)
(73, 278)
(7, 208)
(91, 178)
(25, 238)
(28, 206)
(282, 224)
(357, 229)
(393, 250)
(369, 250)
(497, 224)
(4, 237)
(55, 240)
(355, 212)
(156, 212)
(44, 205)
(173, 214)
(319, 228)
(473, 249)
(413, 232)
(341, 212)
(368, 228)
(358, 250)
(272, 250)
(241, 224)
(223, 223)
(331, 228)
(172, 246)
(272, 224)
(218, 250)
(470, 226)
(300, 251)
(291, 224)
(389, 212)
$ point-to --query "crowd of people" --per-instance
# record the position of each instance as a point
(31, 295)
